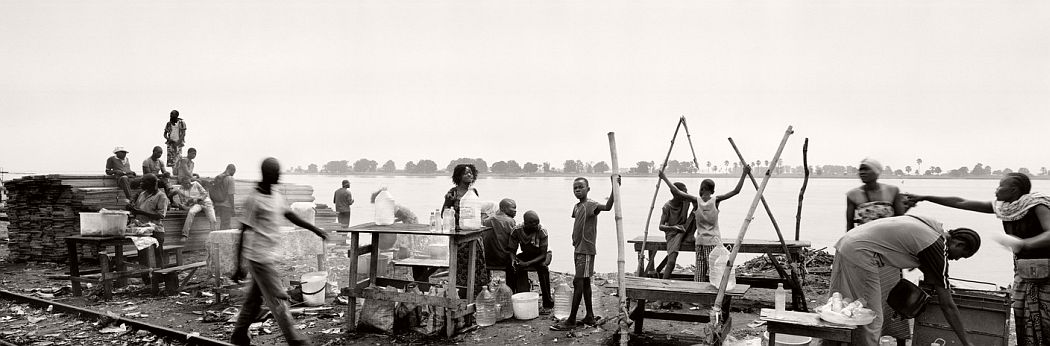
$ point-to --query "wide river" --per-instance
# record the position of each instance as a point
(823, 211)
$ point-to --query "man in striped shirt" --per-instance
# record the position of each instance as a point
(902, 242)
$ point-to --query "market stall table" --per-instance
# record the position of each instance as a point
(359, 289)
(804, 324)
(657, 243)
(108, 272)
(639, 290)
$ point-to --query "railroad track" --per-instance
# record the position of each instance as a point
(189, 339)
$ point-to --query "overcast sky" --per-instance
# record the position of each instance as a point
(951, 82)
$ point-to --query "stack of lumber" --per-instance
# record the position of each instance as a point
(45, 208)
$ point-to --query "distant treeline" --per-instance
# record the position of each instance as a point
(425, 166)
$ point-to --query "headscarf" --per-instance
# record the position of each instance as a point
(969, 236)
(1013, 211)
(873, 164)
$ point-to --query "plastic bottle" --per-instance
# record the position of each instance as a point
(486, 314)
(448, 221)
(433, 222)
(384, 210)
(780, 300)
(717, 263)
(503, 300)
(562, 301)
(470, 211)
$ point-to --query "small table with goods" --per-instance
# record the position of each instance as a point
(807, 324)
(108, 271)
(455, 306)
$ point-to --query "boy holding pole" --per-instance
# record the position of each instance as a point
(584, 233)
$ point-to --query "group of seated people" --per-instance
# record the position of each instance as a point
(188, 194)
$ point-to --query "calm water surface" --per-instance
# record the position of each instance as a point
(823, 211)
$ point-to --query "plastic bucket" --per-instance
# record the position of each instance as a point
(314, 287)
(365, 260)
(787, 339)
(526, 305)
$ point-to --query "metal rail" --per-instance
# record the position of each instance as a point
(189, 339)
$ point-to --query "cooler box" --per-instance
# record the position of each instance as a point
(986, 315)
(105, 223)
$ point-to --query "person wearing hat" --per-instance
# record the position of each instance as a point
(901, 242)
(872, 201)
(174, 137)
(119, 167)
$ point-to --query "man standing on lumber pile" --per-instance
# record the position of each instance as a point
(261, 233)
(119, 167)
(175, 137)
(221, 193)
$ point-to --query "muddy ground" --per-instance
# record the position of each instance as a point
(198, 310)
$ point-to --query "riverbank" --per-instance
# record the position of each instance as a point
(886, 177)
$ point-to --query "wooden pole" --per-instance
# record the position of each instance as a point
(649, 218)
(716, 309)
(805, 181)
(792, 266)
(617, 210)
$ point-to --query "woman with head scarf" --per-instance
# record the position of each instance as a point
(872, 201)
(1026, 220)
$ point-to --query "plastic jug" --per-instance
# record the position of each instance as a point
(596, 302)
(470, 211)
(717, 263)
(384, 210)
(486, 303)
(503, 300)
(562, 301)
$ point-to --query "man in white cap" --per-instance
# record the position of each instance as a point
(119, 167)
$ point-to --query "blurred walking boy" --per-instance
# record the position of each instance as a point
(584, 232)
(260, 233)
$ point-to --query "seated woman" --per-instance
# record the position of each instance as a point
(869, 202)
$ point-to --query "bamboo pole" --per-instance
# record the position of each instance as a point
(805, 181)
(649, 218)
(716, 309)
(792, 266)
(617, 210)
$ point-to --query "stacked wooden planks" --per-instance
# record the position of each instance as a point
(45, 208)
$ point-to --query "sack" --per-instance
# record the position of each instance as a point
(218, 189)
(1033, 269)
(907, 299)
(378, 314)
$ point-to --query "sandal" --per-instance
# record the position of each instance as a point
(563, 326)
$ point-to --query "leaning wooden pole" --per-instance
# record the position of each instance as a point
(805, 181)
(649, 218)
(690, 138)
(792, 266)
(716, 309)
(620, 275)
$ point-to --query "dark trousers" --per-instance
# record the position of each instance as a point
(225, 215)
(266, 289)
(544, 275)
(127, 183)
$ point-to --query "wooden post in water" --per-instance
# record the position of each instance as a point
(620, 277)
(716, 309)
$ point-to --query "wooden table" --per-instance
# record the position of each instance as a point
(455, 306)
(805, 324)
(108, 272)
(657, 243)
(642, 289)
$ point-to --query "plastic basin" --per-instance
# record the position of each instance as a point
(526, 305)
(787, 339)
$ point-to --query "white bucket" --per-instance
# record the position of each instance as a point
(314, 287)
(787, 339)
(526, 305)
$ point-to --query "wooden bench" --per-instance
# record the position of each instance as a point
(804, 324)
(641, 290)
(170, 276)
(657, 243)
